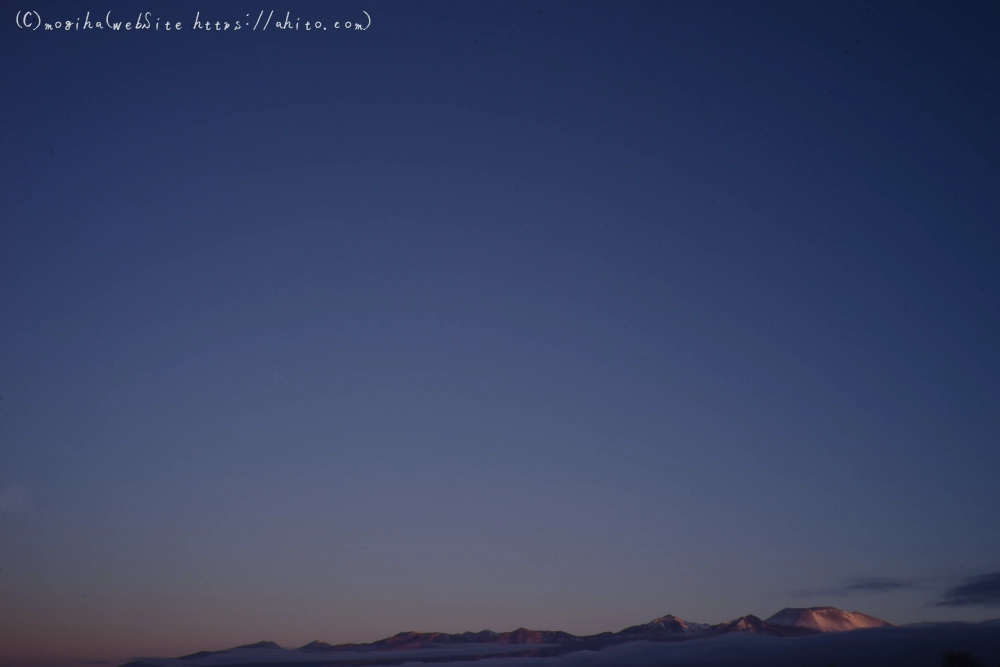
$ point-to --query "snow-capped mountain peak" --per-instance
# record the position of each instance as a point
(666, 625)
(824, 619)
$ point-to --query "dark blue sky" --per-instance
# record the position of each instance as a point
(557, 315)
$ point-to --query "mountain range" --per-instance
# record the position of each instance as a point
(789, 622)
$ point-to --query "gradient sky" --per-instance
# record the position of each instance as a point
(497, 314)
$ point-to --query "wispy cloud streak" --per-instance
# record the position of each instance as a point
(866, 585)
(977, 591)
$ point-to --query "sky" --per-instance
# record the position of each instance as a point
(563, 315)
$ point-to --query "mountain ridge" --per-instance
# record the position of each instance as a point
(789, 622)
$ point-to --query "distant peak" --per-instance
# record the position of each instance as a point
(264, 644)
(317, 645)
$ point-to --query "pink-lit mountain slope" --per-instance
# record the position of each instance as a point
(824, 619)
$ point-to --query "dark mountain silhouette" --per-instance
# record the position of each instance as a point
(259, 645)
